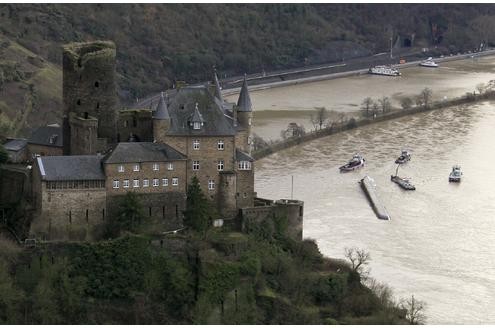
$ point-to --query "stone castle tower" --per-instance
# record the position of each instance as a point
(89, 95)
(161, 120)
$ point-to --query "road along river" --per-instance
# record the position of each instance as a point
(440, 242)
(276, 108)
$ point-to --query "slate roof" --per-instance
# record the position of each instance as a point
(244, 101)
(197, 117)
(161, 112)
(60, 168)
(242, 156)
(47, 136)
(218, 90)
(182, 107)
(15, 144)
(139, 152)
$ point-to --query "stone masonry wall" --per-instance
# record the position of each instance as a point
(137, 122)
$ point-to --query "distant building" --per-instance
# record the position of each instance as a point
(16, 149)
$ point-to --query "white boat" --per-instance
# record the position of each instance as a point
(428, 63)
(384, 70)
(356, 162)
(404, 157)
(456, 174)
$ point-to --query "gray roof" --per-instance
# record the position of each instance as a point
(242, 156)
(139, 152)
(244, 102)
(218, 90)
(161, 112)
(182, 109)
(15, 144)
(196, 116)
(60, 168)
(47, 136)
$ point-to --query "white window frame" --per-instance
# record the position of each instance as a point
(196, 144)
(175, 181)
(125, 183)
(156, 167)
(195, 166)
(156, 182)
(136, 168)
(116, 184)
(211, 184)
(244, 165)
(120, 168)
(221, 145)
(135, 183)
(165, 182)
(170, 166)
(220, 165)
(196, 125)
(146, 183)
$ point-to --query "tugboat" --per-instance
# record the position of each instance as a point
(404, 183)
(404, 157)
(384, 70)
(455, 175)
(428, 63)
(356, 162)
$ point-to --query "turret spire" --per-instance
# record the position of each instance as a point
(218, 90)
(161, 112)
(244, 102)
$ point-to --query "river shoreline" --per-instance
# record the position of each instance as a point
(353, 123)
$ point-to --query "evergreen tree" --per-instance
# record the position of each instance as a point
(198, 209)
(3, 155)
(130, 212)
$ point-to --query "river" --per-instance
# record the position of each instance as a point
(440, 242)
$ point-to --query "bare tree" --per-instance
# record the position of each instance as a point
(359, 259)
(258, 143)
(319, 118)
(366, 105)
(414, 310)
(293, 130)
(406, 103)
(384, 104)
(424, 98)
(375, 108)
(481, 88)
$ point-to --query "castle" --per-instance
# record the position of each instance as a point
(153, 152)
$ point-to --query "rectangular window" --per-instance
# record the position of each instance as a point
(244, 165)
(135, 183)
(116, 184)
(195, 165)
(196, 144)
(175, 181)
(156, 182)
(146, 183)
(125, 184)
(220, 145)
(220, 165)
(197, 125)
(170, 166)
(156, 167)
(136, 168)
(121, 168)
(211, 184)
(165, 182)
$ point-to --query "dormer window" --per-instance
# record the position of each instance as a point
(196, 125)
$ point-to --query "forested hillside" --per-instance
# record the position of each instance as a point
(160, 43)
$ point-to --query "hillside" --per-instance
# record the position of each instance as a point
(160, 43)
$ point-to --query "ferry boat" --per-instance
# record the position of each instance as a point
(428, 63)
(384, 70)
(404, 157)
(455, 175)
(356, 162)
(404, 183)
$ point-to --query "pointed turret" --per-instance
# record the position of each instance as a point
(196, 120)
(218, 90)
(161, 120)
(244, 102)
(161, 112)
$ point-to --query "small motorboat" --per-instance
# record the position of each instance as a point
(404, 157)
(384, 70)
(404, 183)
(356, 162)
(428, 63)
(456, 174)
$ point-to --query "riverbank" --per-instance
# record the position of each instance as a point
(355, 123)
(317, 78)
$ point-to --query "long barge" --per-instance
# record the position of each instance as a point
(369, 189)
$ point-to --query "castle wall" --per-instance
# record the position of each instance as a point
(84, 135)
(137, 122)
(227, 194)
(43, 150)
(245, 188)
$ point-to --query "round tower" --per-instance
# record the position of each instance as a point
(161, 120)
(89, 86)
(244, 115)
